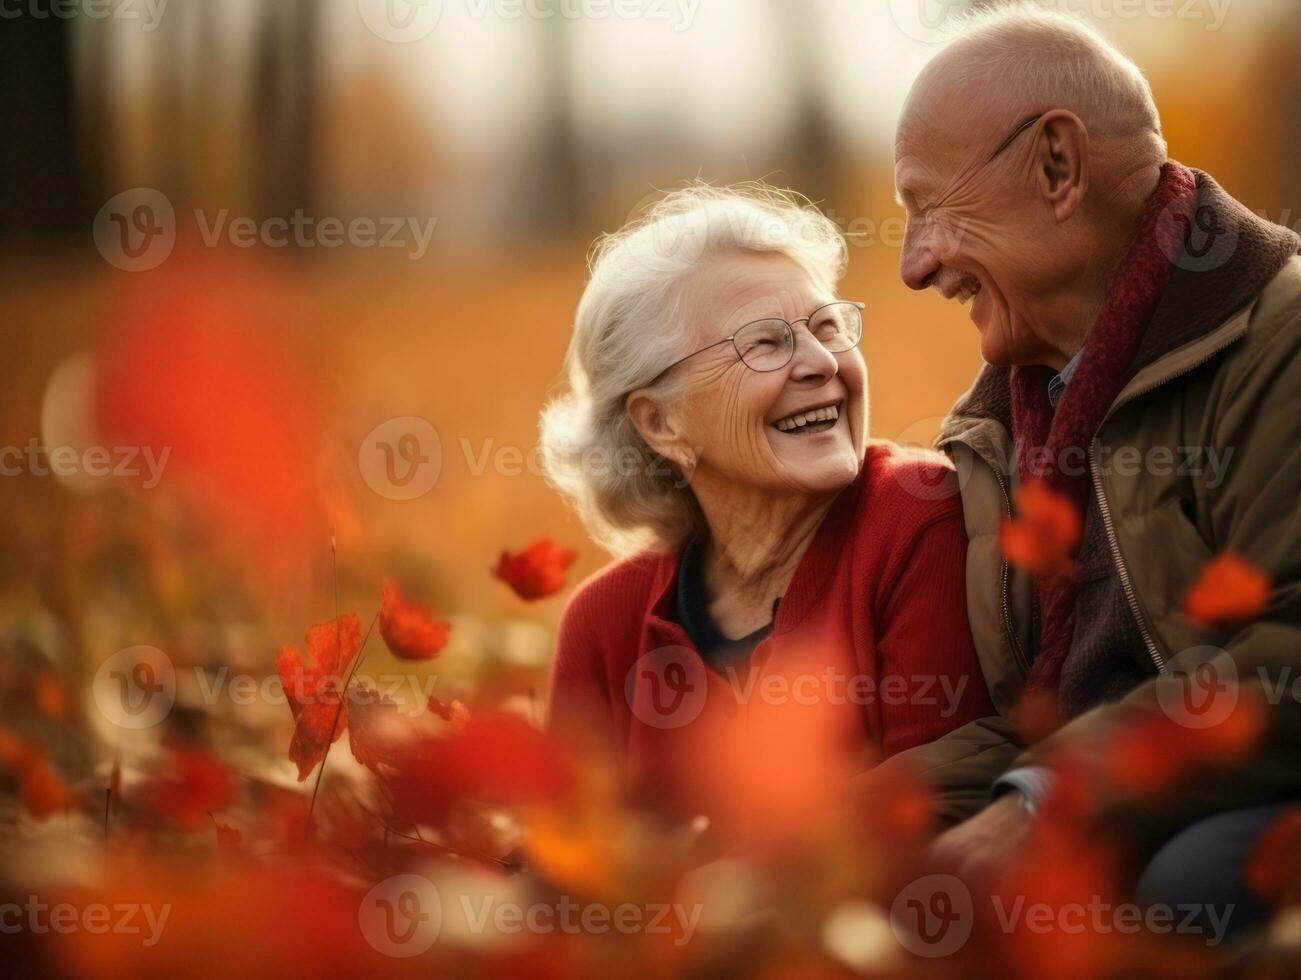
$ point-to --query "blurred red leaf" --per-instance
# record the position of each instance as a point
(1036, 714)
(11, 749)
(1227, 590)
(193, 785)
(51, 696)
(456, 712)
(1043, 536)
(1273, 870)
(200, 366)
(41, 789)
(1152, 755)
(312, 687)
(44, 791)
(536, 572)
(375, 725)
(229, 839)
(409, 628)
(494, 758)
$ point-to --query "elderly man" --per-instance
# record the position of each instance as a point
(1128, 308)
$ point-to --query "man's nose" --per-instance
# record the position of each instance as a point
(918, 264)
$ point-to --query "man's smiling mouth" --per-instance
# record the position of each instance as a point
(965, 292)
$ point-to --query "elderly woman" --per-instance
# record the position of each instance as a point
(715, 436)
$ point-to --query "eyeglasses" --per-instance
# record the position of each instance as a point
(769, 344)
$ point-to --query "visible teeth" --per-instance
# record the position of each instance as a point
(801, 419)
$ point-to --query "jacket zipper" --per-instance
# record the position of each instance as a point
(1004, 587)
(1110, 527)
(1119, 560)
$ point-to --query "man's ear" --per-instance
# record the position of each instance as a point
(657, 427)
(1062, 162)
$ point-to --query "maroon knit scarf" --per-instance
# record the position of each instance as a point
(1046, 439)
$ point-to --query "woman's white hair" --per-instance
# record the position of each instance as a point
(1057, 59)
(631, 325)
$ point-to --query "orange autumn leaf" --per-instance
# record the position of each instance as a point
(1272, 870)
(193, 785)
(51, 697)
(41, 789)
(312, 686)
(229, 839)
(1156, 753)
(1227, 590)
(1043, 536)
(409, 628)
(1036, 714)
(11, 749)
(536, 572)
(495, 758)
(456, 712)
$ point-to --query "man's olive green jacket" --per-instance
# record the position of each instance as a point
(1199, 454)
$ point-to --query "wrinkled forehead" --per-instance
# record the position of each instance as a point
(736, 286)
(947, 122)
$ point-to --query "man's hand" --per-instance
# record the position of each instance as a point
(986, 841)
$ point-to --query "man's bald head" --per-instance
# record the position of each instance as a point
(1008, 62)
(1024, 154)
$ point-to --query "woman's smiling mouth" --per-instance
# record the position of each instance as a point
(810, 420)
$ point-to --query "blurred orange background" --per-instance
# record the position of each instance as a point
(515, 135)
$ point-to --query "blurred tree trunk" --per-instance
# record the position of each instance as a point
(284, 104)
(43, 192)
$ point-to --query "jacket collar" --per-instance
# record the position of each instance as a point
(1224, 262)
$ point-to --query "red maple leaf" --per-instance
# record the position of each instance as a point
(1043, 536)
(409, 628)
(194, 785)
(1227, 590)
(536, 572)
(312, 687)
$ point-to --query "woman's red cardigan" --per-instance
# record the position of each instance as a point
(874, 620)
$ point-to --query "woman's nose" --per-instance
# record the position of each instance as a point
(812, 361)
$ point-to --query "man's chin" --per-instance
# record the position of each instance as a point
(993, 346)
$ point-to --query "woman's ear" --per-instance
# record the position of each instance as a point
(1062, 162)
(658, 427)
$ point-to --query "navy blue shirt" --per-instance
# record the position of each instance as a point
(692, 610)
